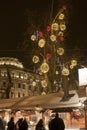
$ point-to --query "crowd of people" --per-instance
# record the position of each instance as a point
(18, 122)
(56, 123)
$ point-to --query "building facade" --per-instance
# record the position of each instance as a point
(18, 80)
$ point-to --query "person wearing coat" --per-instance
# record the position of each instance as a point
(56, 123)
(40, 125)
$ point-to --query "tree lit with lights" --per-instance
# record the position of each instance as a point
(50, 60)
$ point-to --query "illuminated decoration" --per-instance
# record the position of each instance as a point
(73, 62)
(61, 16)
(53, 38)
(35, 59)
(55, 26)
(57, 72)
(43, 93)
(48, 28)
(44, 67)
(65, 71)
(33, 83)
(62, 27)
(44, 83)
(71, 66)
(61, 38)
(60, 51)
(40, 34)
(55, 81)
(60, 33)
(33, 37)
(11, 61)
(48, 56)
(41, 43)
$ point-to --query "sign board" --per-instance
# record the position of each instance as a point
(82, 76)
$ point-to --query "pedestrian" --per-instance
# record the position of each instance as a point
(57, 123)
(40, 125)
(22, 124)
(1, 124)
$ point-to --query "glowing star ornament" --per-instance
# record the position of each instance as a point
(55, 26)
(41, 43)
(35, 59)
(44, 67)
(33, 37)
(65, 71)
(60, 51)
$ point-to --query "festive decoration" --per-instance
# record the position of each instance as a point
(50, 44)
(61, 16)
(73, 62)
(41, 43)
(44, 67)
(55, 26)
(35, 59)
(53, 38)
(33, 37)
(60, 51)
(65, 71)
(44, 83)
(48, 56)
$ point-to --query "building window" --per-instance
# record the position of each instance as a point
(23, 86)
(4, 85)
(19, 95)
(4, 74)
(23, 94)
(19, 85)
(12, 75)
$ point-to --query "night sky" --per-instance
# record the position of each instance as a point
(12, 22)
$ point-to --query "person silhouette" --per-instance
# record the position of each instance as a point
(56, 123)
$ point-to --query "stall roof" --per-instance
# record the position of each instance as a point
(49, 101)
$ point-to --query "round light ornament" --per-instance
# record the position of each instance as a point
(60, 51)
(44, 83)
(53, 38)
(44, 67)
(65, 71)
(57, 72)
(61, 16)
(33, 37)
(62, 27)
(41, 43)
(33, 83)
(35, 59)
(60, 33)
(55, 26)
(71, 66)
(73, 62)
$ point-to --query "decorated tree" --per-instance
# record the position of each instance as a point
(50, 56)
